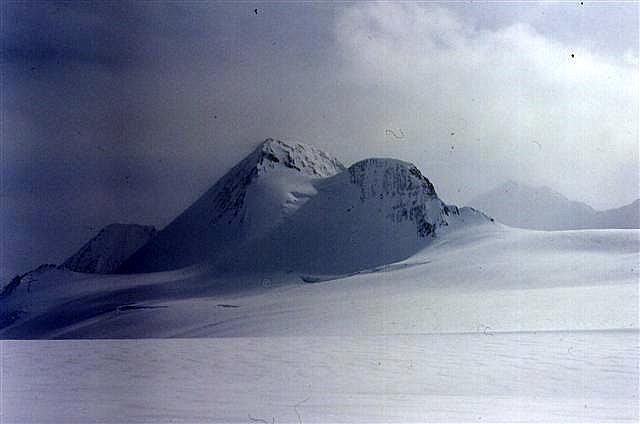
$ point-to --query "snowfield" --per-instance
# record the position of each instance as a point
(487, 323)
(556, 376)
(304, 291)
(472, 279)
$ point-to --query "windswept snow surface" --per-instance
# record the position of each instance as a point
(485, 323)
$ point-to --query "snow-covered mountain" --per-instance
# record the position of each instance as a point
(285, 208)
(253, 197)
(541, 208)
(294, 206)
(376, 212)
(108, 250)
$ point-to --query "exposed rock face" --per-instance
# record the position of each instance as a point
(412, 194)
(388, 177)
(305, 159)
(108, 250)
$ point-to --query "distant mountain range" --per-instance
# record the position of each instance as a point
(541, 208)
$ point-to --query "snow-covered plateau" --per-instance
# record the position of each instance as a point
(334, 295)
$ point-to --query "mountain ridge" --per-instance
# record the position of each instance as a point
(282, 194)
(107, 250)
(215, 220)
(542, 208)
(376, 212)
(270, 188)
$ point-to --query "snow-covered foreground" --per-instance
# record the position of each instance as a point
(552, 376)
(487, 323)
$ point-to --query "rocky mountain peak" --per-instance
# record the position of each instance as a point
(305, 159)
(389, 177)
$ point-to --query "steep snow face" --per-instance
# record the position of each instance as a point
(541, 208)
(377, 212)
(108, 250)
(247, 202)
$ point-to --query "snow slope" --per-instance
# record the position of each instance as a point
(541, 208)
(250, 199)
(476, 278)
(108, 250)
(486, 323)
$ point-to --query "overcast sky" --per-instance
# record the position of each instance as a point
(127, 112)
